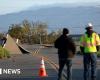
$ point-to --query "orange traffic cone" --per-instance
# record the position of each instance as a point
(42, 71)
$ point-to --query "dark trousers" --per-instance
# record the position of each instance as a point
(90, 60)
(68, 63)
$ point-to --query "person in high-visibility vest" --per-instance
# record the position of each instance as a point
(89, 45)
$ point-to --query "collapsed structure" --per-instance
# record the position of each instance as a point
(13, 47)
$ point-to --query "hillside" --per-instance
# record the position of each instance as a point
(75, 18)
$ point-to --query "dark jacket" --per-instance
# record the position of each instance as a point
(64, 44)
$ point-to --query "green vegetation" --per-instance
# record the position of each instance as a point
(98, 54)
(1, 35)
(4, 53)
(33, 33)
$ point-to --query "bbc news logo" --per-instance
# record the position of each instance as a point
(10, 71)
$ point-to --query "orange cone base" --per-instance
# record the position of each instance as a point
(42, 73)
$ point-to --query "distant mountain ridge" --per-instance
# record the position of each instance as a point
(75, 18)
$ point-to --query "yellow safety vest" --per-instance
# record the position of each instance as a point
(90, 43)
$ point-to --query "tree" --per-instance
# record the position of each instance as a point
(1, 35)
(36, 33)
(27, 31)
(15, 31)
(39, 31)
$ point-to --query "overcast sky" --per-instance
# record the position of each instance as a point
(10, 6)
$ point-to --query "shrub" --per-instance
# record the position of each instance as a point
(4, 53)
(98, 54)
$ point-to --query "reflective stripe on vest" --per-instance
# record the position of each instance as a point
(90, 43)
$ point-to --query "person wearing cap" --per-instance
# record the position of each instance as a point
(89, 45)
(66, 51)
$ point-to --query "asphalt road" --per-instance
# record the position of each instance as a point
(77, 68)
(29, 65)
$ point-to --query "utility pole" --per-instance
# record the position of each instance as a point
(40, 40)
